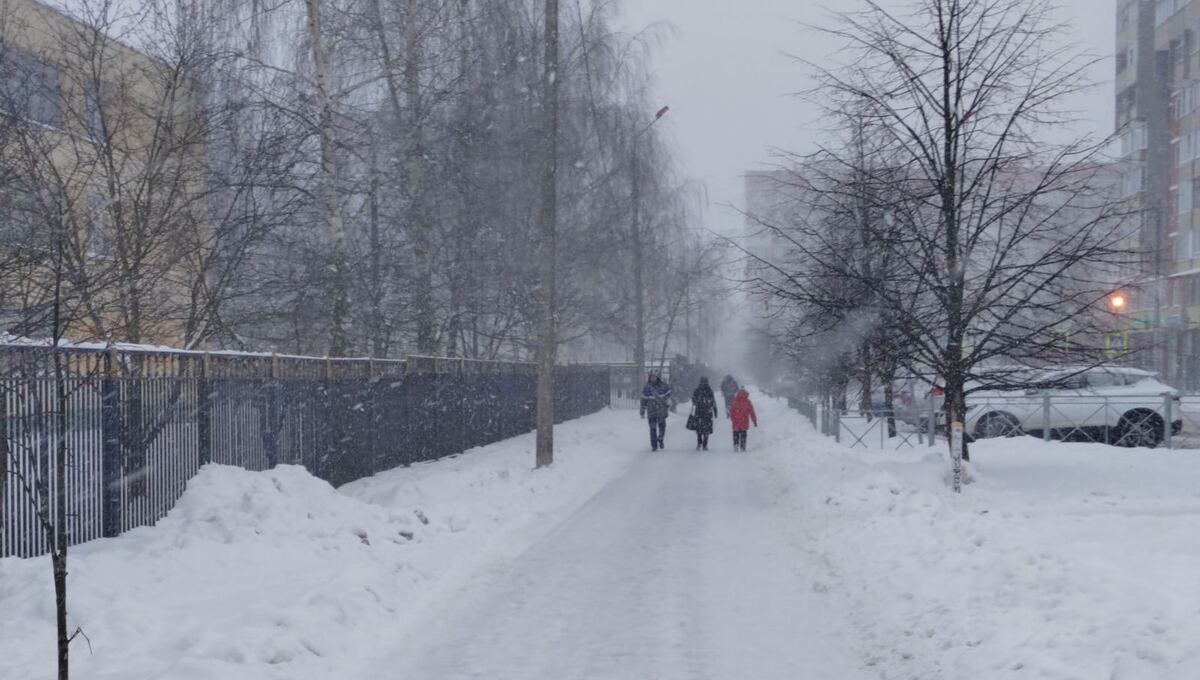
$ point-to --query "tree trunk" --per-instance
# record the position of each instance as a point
(339, 293)
(865, 404)
(59, 549)
(377, 326)
(549, 246)
(639, 294)
(56, 519)
(888, 376)
(955, 376)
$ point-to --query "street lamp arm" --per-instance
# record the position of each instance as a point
(658, 115)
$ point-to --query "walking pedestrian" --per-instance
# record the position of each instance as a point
(704, 407)
(729, 387)
(656, 398)
(741, 413)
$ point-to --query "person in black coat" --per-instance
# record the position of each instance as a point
(704, 404)
(729, 387)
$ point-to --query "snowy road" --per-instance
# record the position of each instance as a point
(677, 569)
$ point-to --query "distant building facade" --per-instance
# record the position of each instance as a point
(771, 205)
(96, 154)
(1157, 84)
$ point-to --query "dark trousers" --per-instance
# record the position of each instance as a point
(658, 429)
(702, 440)
(739, 440)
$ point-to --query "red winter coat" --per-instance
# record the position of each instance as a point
(742, 412)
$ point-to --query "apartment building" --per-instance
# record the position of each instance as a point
(1158, 120)
(98, 160)
(774, 201)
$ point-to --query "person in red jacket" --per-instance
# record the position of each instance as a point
(741, 412)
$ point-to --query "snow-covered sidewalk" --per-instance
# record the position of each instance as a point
(675, 570)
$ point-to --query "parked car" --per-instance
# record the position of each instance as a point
(1123, 406)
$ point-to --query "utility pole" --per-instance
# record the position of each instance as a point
(547, 342)
(639, 294)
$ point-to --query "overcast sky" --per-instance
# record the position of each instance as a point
(728, 81)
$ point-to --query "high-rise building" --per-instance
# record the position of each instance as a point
(770, 202)
(1158, 120)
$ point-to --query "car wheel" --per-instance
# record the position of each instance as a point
(997, 424)
(1140, 428)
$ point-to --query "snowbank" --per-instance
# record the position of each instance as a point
(1061, 561)
(278, 575)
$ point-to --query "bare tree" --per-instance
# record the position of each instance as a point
(1008, 235)
(548, 246)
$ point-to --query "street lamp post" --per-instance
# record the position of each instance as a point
(639, 350)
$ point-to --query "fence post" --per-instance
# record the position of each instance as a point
(837, 425)
(204, 413)
(327, 458)
(111, 464)
(1045, 417)
(1168, 419)
(271, 435)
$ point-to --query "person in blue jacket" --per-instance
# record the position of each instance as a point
(656, 403)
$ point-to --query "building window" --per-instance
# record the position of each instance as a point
(1133, 180)
(29, 88)
(1165, 9)
(95, 106)
(1189, 147)
(1133, 139)
(1192, 288)
(1187, 100)
(20, 208)
(99, 238)
(1127, 16)
(1183, 196)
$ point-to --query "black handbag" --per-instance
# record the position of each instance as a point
(693, 422)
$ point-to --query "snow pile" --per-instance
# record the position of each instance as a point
(278, 575)
(1061, 561)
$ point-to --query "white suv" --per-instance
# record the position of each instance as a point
(1123, 406)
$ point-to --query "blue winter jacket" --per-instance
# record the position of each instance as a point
(656, 400)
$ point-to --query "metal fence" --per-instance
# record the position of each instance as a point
(627, 383)
(1131, 420)
(135, 426)
(874, 430)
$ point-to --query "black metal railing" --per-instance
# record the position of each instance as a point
(138, 425)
